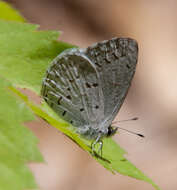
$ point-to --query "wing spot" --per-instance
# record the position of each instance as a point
(71, 122)
(128, 66)
(96, 107)
(63, 113)
(88, 85)
(59, 100)
(68, 97)
(95, 85)
(82, 109)
(96, 63)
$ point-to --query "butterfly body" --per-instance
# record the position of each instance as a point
(86, 87)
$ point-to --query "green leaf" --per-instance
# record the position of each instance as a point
(25, 54)
(8, 13)
(17, 143)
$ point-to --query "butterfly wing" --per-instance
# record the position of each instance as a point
(71, 88)
(115, 61)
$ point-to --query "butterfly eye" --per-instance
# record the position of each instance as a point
(111, 131)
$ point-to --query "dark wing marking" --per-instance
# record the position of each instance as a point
(115, 61)
(71, 88)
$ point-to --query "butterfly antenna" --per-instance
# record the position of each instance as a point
(132, 119)
(138, 134)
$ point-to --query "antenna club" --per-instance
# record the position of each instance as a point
(141, 135)
(138, 134)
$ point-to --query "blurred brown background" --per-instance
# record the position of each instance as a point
(152, 97)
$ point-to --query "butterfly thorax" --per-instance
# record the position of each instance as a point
(93, 131)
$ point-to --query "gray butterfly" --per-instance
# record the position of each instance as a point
(86, 87)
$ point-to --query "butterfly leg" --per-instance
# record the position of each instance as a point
(101, 147)
(94, 144)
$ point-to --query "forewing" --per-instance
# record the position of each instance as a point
(115, 61)
(71, 88)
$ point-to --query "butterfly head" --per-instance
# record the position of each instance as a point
(111, 131)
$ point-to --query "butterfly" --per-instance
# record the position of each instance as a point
(86, 87)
